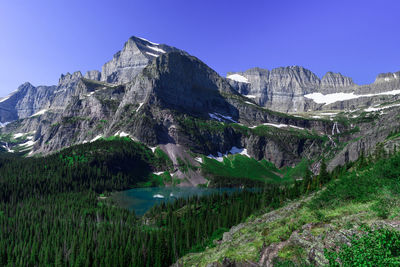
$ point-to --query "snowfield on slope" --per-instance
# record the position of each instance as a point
(234, 150)
(281, 125)
(332, 98)
(238, 78)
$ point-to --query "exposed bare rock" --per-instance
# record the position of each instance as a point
(134, 57)
(283, 89)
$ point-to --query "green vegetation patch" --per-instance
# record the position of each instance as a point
(380, 247)
(237, 169)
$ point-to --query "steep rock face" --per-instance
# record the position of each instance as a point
(28, 99)
(25, 101)
(336, 82)
(385, 82)
(135, 56)
(65, 89)
(283, 89)
(387, 77)
(173, 83)
(87, 115)
(186, 84)
(370, 135)
(93, 75)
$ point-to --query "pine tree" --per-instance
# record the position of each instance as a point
(323, 176)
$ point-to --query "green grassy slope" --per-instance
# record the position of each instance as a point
(314, 229)
(241, 170)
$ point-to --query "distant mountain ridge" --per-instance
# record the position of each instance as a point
(284, 89)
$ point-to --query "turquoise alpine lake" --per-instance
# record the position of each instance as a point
(141, 200)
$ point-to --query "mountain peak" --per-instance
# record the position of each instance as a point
(335, 80)
(136, 54)
(388, 77)
(68, 77)
(141, 40)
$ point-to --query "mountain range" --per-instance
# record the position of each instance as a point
(163, 97)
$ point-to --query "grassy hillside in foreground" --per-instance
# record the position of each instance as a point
(315, 229)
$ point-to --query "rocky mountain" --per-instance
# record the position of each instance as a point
(296, 89)
(136, 54)
(25, 101)
(163, 97)
(323, 149)
(127, 63)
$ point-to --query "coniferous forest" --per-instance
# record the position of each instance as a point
(51, 214)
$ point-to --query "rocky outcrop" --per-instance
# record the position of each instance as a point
(93, 75)
(25, 101)
(335, 83)
(371, 133)
(283, 89)
(280, 89)
(134, 57)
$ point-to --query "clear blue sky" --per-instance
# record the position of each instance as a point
(41, 39)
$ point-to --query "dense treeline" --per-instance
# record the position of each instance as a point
(98, 166)
(76, 229)
(50, 213)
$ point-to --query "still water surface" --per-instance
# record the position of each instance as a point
(141, 200)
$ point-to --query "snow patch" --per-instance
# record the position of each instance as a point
(234, 150)
(238, 78)
(8, 148)
(199, 159)
(251, 96)
(17, 135)
(147, 41)
(28, 143)
(158, 173)
(329, 114)
(123, 134)
(97, 137)
(3, 124)
(140, 105)
(158, 196)
(159, 50)
(220, 117)
(5, 98)
(40, 112)
(153, 149)
(372, 109)
(332, 98)
(151, 54)
(58, 91)
(8, 96)
(281, 125)
(247, 102)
